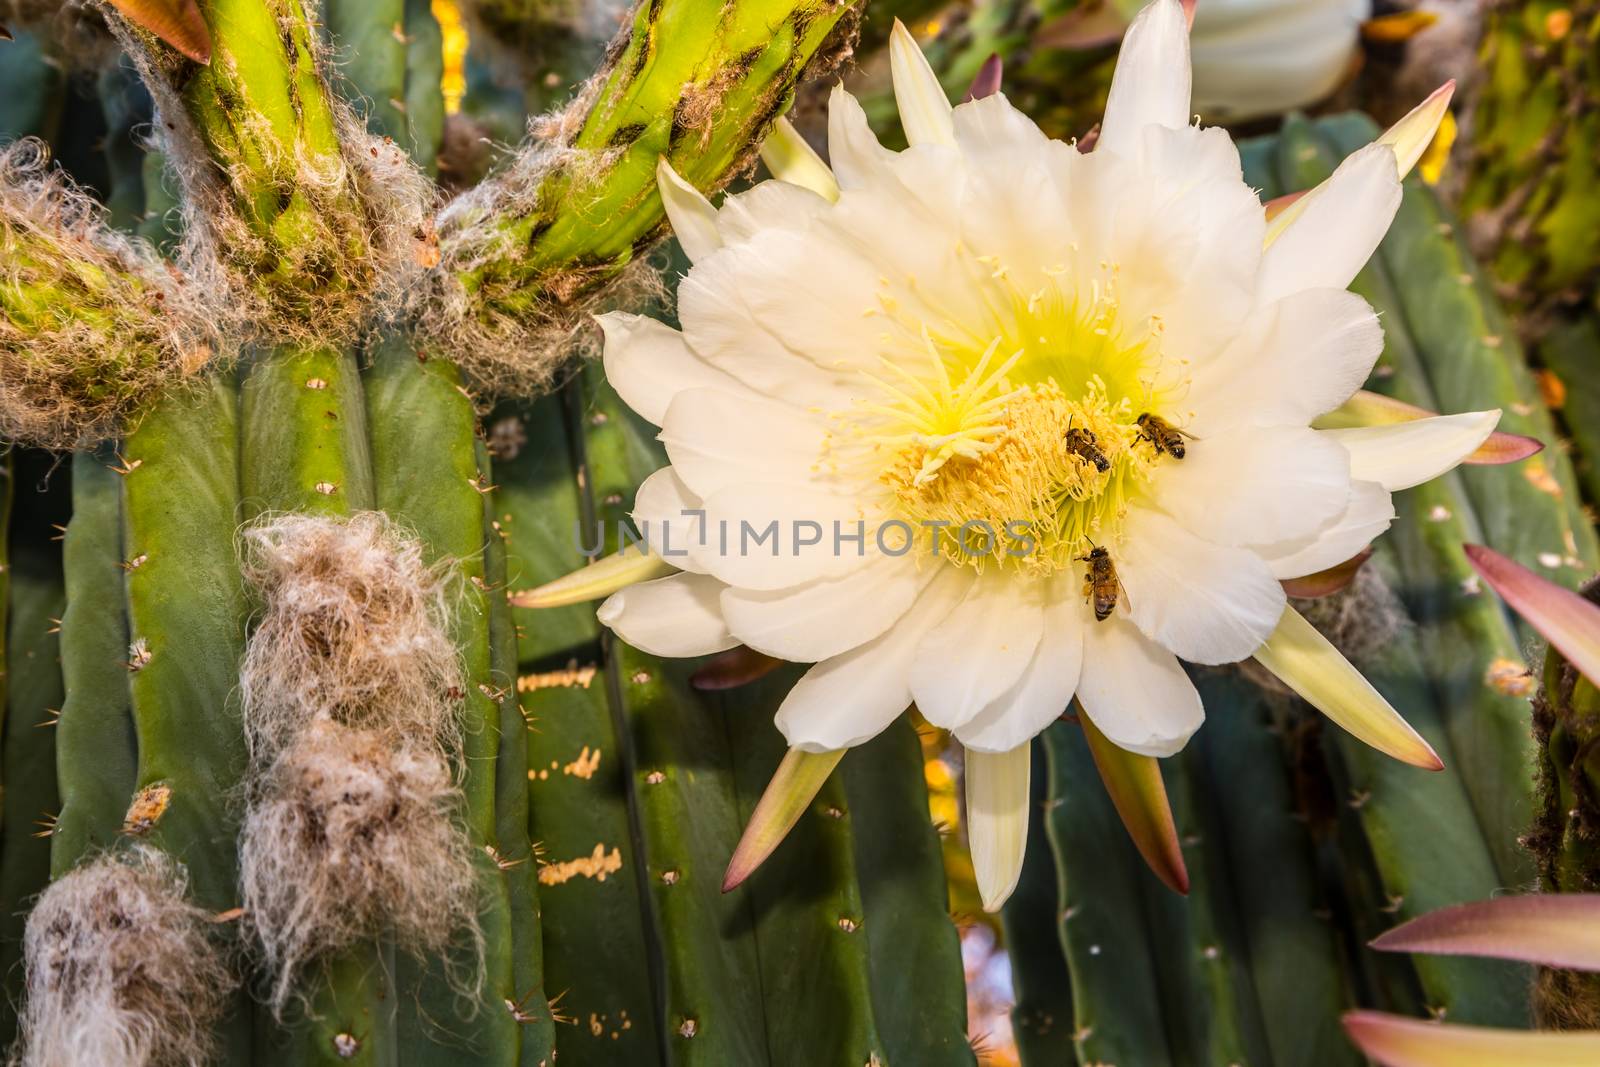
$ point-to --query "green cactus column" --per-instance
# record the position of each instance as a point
(1566, 831)
(1534, 156)
(31, 704)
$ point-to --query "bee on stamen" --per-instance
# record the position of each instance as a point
(1162, 435)
(1086, 446)
(1100, 583)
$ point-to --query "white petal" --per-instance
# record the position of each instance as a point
(767, 206)
(648, 363)
(979, 651)
(721, 329)
(1151, 83)
(853, 149)
(717, 438)
(1255, 486)
(1045, 689)
(676, 616)
(848, 699)
(694, 220)
(665, 513)
(1293, 360)
(990, 130)
(1252, 60)
(1203, 602)
(1404, 454)
(924, 109)
(997, 820)
(1368, 514)
(792, 160)
(1335, 234)
(1135, 690)
(825, 618)
(754, 534)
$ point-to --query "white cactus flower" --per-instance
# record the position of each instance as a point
(970, 331)
(1264, 57)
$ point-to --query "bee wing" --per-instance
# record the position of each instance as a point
(1122, 594)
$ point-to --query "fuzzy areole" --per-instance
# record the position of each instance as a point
(94, 324)
(122, 971)
(316, 227)
(352, 833)
(354, 627)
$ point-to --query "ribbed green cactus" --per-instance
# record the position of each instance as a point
(288, 746)
(1534, 149)
(1566, 833)
(218, 539)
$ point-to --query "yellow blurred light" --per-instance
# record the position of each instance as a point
(1437, 155)
(453, 30)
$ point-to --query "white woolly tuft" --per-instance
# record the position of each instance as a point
(372, 204)
(122, 971)
(352, 833)
(67, 378)
(354, 627)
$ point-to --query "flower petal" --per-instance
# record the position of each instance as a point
(791, 159)
(1308, 663)
(600, 578)
(788, 794)
(1366, 408)
(1268, 59)
(924, 108)
(1568, 621)
(1395, 1041)
(978, 652)
(1292, 361)
(694, 220)
(770, 205)
(1551, 929)
(1045, 689)
(1410, 453)
(718, 438)
(1140, 796)
(1369, 512)
(1135, 690)
(676, 616)
(1328, 581)
(997, 820)
(849, 699)
(648, 363)
(1151, 83)
(828, 617)
(1203, 602)
(732, 669)
(667, 516)
(853, 149)
(1256, 486)
(1411, 136)
(1330, 236)
(760, 535)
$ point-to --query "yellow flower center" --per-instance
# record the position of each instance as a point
(1014, 442)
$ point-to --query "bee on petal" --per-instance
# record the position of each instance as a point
(1100, 583)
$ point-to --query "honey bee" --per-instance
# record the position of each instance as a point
(1086, 446)
(1100, 583)
(1162, 435)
